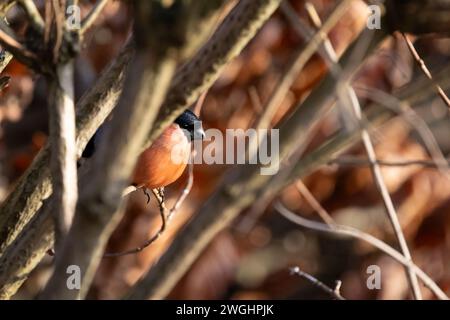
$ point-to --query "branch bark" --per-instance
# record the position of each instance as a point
(63, 159)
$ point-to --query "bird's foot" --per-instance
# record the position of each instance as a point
(161, 193)
(147, 194)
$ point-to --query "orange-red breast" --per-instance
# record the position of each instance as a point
(165, 160)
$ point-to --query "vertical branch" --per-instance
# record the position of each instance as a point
(63, 149)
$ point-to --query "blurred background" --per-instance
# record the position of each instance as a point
(252, 257)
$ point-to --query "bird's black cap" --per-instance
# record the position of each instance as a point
(190, 122)
(187, 118)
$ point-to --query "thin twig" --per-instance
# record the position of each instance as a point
(375, 168)
(162, 212)
(92, 16)
(312, 201)
(199, 104)
(334, 293)
(184, 193)
(358, 161)
(301, 57)
(425, 70)
(414, 120)
(165, 218)
(58, 19)
(358, 234)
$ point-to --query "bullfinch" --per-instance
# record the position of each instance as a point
(165, 160)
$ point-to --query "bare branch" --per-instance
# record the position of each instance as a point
(63, 159)
(162, 212)
(5, 58)
(312, 201)
(357, 234)
(425, 70)
(26, 251)
(62, 127)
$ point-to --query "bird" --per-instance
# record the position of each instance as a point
(165, 160)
